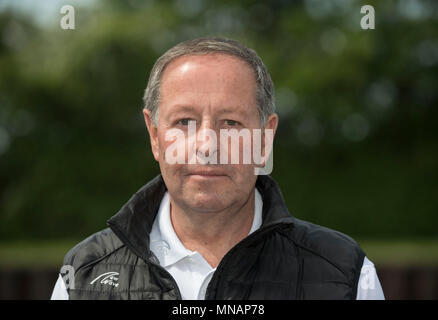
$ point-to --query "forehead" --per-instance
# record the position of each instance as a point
(216, 79)
(202, 70)
(216, 60)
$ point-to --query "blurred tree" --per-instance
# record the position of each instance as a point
(357, 145)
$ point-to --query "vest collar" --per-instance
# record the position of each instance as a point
(133, 223)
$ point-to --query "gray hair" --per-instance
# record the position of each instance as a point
(203, 46)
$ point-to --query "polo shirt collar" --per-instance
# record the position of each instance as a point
(164, 241)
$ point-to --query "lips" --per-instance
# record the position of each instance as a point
(207, 173)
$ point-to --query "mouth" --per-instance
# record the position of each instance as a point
(207, 173)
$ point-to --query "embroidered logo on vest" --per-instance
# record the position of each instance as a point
(109, 278)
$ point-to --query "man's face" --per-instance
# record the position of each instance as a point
(216, 91)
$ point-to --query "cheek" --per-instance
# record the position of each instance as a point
(243, 174)
(168, 153)
(174, 149)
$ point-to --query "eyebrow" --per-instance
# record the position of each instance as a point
(183, 108)
(229, 110)
(226, 110)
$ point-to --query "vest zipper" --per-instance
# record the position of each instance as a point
(215, 280)
(158, 266)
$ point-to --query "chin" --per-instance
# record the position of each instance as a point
(203, 201)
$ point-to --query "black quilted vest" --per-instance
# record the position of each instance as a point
(285, 259)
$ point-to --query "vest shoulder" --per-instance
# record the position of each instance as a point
(334, 246)
(95, 247)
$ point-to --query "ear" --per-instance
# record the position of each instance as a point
(271, 124)
(153, 132)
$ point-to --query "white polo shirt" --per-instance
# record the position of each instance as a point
(192, 272)
(189, 268)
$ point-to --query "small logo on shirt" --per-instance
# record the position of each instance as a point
(109, 278)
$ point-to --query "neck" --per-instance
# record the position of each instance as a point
(213, 234)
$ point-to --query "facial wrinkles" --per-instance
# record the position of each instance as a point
(208, 90)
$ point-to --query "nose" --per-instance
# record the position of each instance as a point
(206, 142)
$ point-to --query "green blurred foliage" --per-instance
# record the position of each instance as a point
(356, 149)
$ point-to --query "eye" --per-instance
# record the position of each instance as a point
(231, 123)
(185, 121)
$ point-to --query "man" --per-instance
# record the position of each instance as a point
(203, 230)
